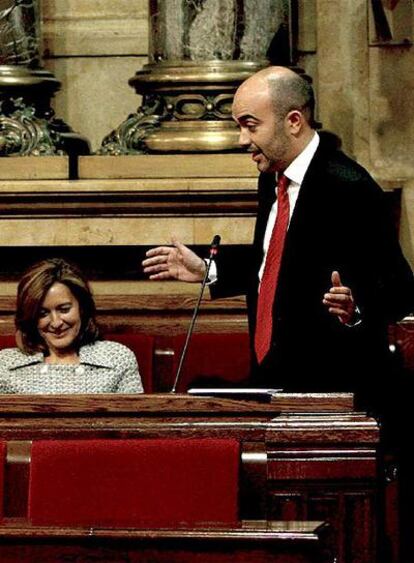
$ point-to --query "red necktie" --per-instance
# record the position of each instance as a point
(264, 317)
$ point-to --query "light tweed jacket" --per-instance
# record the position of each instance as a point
(104, 367)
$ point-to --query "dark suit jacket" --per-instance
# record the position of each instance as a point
(339, 223)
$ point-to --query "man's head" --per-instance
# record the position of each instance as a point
(274, 110)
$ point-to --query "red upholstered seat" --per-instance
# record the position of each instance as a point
(213, 359)
(134, 483)
(3, 451)
(7, 341)
(143, 347)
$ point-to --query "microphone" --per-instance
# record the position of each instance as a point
(212, 252)
(214, 247)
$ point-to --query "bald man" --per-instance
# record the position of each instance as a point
(325, 273)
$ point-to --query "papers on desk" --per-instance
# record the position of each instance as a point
(244, 393)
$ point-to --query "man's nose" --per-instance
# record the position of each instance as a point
(244, 139)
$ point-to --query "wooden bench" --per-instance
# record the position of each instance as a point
(211, 359)
(303, 458)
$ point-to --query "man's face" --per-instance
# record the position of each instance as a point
(261, 132)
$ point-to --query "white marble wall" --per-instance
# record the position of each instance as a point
(93, 47)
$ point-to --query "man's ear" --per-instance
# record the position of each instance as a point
(295, 121)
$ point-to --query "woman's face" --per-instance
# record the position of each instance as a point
(59, 320)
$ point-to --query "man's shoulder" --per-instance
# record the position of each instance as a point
(332, 160)
(344, 168)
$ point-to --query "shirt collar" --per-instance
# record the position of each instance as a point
(298, 167)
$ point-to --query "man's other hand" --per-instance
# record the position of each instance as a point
(339, 300)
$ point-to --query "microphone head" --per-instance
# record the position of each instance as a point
(216, 241)
(214, 245)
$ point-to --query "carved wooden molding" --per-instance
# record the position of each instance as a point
(77, 203)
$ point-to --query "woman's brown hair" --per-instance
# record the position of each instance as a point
(31, 292)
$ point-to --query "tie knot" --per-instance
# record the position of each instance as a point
(282, 183)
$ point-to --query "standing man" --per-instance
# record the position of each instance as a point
(325, 274)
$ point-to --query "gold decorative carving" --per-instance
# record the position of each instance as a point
(187, 108)
(27, 123)
(199, 53)
(21, 132)
(129, 137)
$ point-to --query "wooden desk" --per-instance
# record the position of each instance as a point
(304, 457)
(252, 542)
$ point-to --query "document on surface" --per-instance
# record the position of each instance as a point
(242, 393)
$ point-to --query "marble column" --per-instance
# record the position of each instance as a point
(199, 52)
(27, 122)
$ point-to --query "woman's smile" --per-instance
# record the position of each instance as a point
(59, 320)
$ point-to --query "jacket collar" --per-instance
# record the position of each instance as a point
(95, 354)
(22, 359)
(92, 354)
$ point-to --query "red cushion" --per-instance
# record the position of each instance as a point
(3, 451)
(139, 483)
(143, 347)
(7, 341)
(213, 359)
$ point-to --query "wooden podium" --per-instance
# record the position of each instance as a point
(306, 460)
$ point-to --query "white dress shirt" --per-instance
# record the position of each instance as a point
(295, 172)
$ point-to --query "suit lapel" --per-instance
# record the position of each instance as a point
(306, 208)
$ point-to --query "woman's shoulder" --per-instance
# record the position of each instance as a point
(111, 345)
(108, 350)
(13, 357)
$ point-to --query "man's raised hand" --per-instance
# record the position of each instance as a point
(174, 262)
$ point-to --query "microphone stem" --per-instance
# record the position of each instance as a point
(192, 323)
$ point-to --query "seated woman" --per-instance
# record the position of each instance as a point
(59, 350)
